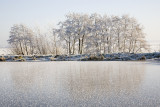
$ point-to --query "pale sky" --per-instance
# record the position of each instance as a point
(44, 12)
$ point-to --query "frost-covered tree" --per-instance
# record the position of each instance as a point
(101, 34)
(74, 31)
(21, 40)
(82, 34)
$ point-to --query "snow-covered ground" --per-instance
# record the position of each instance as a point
(84, 57)
(5, 51)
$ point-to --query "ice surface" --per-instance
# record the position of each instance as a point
(76, 83)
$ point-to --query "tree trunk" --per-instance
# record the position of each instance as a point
(79, 47)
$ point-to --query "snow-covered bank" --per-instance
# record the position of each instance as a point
(84, 57)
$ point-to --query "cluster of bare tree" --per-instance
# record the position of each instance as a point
(21, 39)
(25, 41)
(82, 34)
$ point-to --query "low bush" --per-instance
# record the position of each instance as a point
(96, 58)
(142, 58)
(18, 57)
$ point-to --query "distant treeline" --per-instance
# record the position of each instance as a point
(81, 34)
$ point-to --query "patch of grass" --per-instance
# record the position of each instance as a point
(2, 58)
(18, 57)
(52, 58)
(101, 57)
(22, 60)
(86, 57)
(34, 58)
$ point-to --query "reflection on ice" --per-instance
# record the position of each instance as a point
(73, 83)
(104, 78)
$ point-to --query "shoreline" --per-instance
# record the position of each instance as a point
(83, 57)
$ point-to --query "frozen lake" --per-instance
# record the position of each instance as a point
(81, 84)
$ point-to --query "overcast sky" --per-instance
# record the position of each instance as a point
(44, 12)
